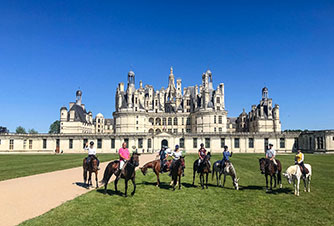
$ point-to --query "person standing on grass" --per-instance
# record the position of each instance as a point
(124, 156)
(92, 153)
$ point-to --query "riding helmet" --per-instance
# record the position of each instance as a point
(91, 143)
(177, 146)
(225, 147)
(202, 145)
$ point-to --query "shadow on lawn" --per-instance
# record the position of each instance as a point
(110, 192)
(275, 191)
(80, 184)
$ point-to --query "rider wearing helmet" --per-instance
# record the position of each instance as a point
(226, 157)
(92, 153)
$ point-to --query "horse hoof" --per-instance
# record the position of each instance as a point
(132, 194)
(280, 186)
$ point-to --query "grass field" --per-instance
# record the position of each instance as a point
(251, 205)
(13, 166)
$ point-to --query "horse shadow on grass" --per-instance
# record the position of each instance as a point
(162, 185)
(110, 192)
(275, 191)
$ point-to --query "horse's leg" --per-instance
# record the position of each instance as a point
(220, 179)
(90, 178)
(133, 179)
(274, 180)
(85, 176)
(298, 182)
(158, 179)
(279, 179)
(126, 188)
(217, 178)
(224, 180)
(180, 180)
(194, 174)
(116, 181)
(309, 183)
(207, 176)
(271, 182)
(266, 182)
(202, 180)
(97, 183)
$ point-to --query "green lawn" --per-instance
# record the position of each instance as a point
(251, 205)
(13, 166)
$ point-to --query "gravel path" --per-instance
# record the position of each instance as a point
(28, 197)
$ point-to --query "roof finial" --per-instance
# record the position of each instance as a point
(171, 70)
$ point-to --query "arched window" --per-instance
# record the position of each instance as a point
(158, 121)
(164, 121)
(149, 143)
(169, 121)
(151, 120)
(151, 131)
(158, 131)
(175, 121)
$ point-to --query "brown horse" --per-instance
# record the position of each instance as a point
(268, 167)
(204, 168)
(128, 173)
(155, 165)
(92, 167)
(176, 171)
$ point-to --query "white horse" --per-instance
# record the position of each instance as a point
(294, 173)
(228, 170)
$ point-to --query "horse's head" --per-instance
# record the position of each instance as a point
(236, 183)
(262, 163)
(143, 170)
(288, 177)
(135, 159)
(182, 161)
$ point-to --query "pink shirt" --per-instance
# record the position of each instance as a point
(125, 153)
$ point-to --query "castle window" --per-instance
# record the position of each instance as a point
(188, 130)
(85, 141)
(136, 108)
(218, 108)
(140, 143)
(207, 142)
(188, 121)
(181, 142)
(222, 142)
(24, 144)
(164, 121)
(11, 144)
(220, 129)
(282, 142)
(295, 145)
(251, 142)
(236, 143)
(112, 143)
(220, 119)
(151, 120)
(183, 124)
(98, 120)
(136, 100)
(70, 143)
(44, 144)
(149, 143)
(169, 121)
(126, 140)
(218, 100)
(188, 110)
(30, 144)
(175, 130)
(214, 119)
(188, 102)
(175, 121)
(194, 142)
(215, 129)
(169, 130)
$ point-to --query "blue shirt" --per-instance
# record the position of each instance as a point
(226, 155)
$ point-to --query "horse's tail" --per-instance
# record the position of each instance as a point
(107, 174)
(213, 170)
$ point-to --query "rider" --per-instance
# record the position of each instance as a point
(92, 153)
(201, 155)
(163, 158)
(176, 155)
(226, 155)
(299, 160)
(271, 154)
(124, 155)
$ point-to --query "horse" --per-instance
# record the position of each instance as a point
(267, 167)
(91, 167)
(155, 165)
(176, 172)
(228, 170)
(128, 173)
(294, 173)
(203, 168)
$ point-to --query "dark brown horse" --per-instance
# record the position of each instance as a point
(176, 171)
(128, 173)
(155, 165)
(203, 168)
(268, 167)
(91, 167)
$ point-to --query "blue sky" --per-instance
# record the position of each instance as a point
(48, 49)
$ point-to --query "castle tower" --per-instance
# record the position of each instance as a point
(264, 93)
(78, 97)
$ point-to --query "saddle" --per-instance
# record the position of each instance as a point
(301, 169)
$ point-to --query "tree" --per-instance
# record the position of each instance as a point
(20, 130)
(55, 127)
(32, 131)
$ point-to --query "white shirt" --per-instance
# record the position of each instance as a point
(271, 153)
(91, 151)
(176, 155)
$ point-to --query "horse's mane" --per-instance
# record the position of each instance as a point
(292, 169)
